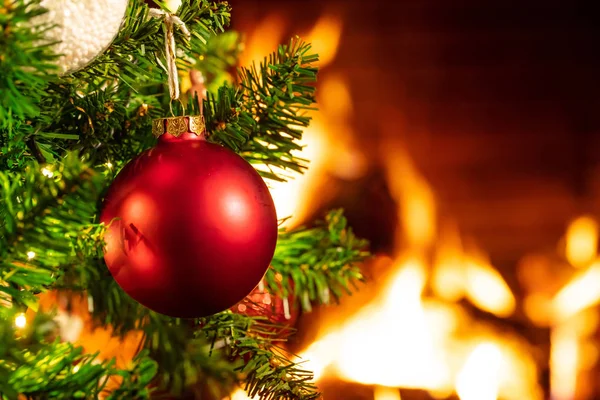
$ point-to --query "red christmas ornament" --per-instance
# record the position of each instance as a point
(192, 227)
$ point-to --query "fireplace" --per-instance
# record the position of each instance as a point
(461, 139)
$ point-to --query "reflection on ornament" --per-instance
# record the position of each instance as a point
(84, 29)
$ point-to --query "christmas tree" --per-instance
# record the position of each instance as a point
(74, 111)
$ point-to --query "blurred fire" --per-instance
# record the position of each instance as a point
(406, 338)
(413, 333)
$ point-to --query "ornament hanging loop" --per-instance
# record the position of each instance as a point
(171, 21)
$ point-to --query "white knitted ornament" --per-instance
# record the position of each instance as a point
(85, 29)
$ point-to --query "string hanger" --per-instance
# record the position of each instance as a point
(171, 21)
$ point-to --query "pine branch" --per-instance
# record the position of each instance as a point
(25, 62)
(26, 67)
(41, 217)
(319, 263)
(309, 262)
(189, 356)
(34, 365)
(102, 112)
(263, 119)
(91, 110)
(265, 366)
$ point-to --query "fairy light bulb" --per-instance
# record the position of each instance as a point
(20, 320)
(30, 255)
(47, 172)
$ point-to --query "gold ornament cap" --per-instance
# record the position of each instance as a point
(177, 126)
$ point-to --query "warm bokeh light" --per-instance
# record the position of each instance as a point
(580, 293)
(486, 288)
(20, 320)
(582, 241)
(47, 172)
(30, 255)
(479, 378)
(538, 308)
